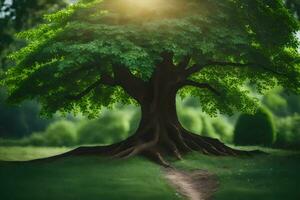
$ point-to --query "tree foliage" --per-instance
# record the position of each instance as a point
(17, 15)
(69, 60)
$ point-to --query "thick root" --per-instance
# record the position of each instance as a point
(156, 142)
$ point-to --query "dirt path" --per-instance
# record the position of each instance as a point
(195, 185)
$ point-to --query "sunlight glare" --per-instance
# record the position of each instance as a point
(146, 4)
(149, 8)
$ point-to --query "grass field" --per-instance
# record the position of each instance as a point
(275, 176)
(266, 177)
(28, 153)
(83, 178)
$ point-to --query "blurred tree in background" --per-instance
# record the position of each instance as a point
(288, 132)
(110, 127)
(17, 15)
(281, 103)
(194, 119)
(286, 111)
(18, 121)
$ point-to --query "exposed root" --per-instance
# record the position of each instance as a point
(139, 147)
(210, 145)
(179, 138)
(156, 157)
(156, 141)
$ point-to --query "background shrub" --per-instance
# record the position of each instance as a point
(59, 133)
(36, 139)
(207, 127)
(109, 128)
(196, 121)
(257, 129)
(191, 120)
(288, 132)
(117, 124)
(223, 129)
(19, 121)
(281, 103)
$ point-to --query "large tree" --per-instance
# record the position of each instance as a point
(99, 52)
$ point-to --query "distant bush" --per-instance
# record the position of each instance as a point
(223, 129)
(281, 103)
(115, 125)
(288, 132)
(61, 133)
(36, 139)
(257, 129)
(207, 127)
(112, 126)
(196, 121)
(109, 128)
(11, 142)
(191, 120)
(276, 103)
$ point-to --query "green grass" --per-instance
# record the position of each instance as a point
(83, 178)
(28, 153)
(266, 177)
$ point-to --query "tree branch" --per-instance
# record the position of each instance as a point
(197, 68)
(201, 85)
(133, 85)
(105, 80)
(182, 65)
(167, 58)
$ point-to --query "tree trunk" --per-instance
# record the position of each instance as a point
(159, 133)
